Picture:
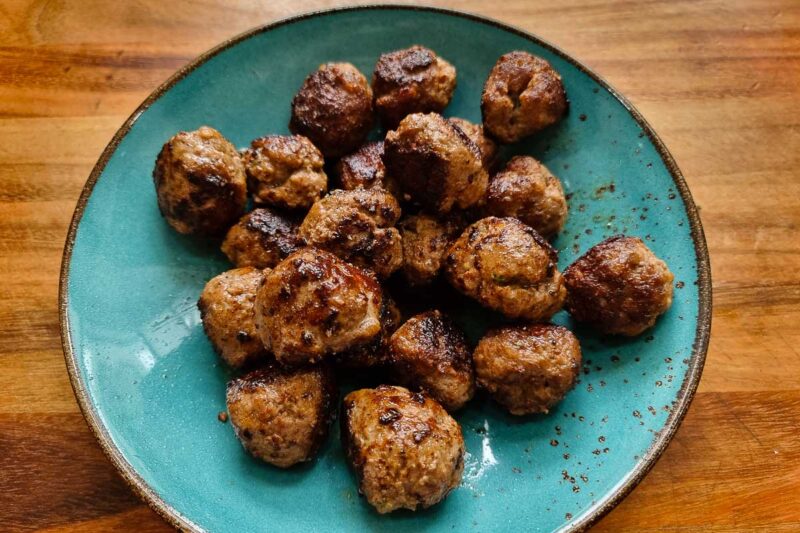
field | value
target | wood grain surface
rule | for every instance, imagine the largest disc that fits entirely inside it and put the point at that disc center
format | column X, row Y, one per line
column 718, row 79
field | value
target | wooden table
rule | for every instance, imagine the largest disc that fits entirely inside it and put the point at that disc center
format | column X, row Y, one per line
column 720, row 82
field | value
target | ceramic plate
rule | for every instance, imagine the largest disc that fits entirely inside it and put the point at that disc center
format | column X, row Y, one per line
column 150, row 385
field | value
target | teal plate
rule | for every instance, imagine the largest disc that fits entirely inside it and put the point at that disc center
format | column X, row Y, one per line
column 150, row 385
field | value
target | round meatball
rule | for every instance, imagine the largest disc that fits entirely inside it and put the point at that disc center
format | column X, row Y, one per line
column 285, row 171
column 526, row 190
column 281, row 415
column 528, row 369
column 262, row 239
column 364, row 169
column 200, row 182
column 406, row 451
column 619, row 286
column 227, row 311
column 358, row 227
column 425, row 243
column 333, row 108
column 435, row 163
column 413, row 80
column 487, row 147
column 522, row 95
column 314, row 304
column 430, row 353
column 374, row 355
column 507, row 266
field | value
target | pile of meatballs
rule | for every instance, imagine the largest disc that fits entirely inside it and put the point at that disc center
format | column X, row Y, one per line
column 335, row 217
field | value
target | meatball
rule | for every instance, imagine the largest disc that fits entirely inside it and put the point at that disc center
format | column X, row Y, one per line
column 435, row 163
column 508, row 267
column 406, row 451
column 364, row 169
column 358, row 227
column 374, row 355
column 528, row 369
column 522, row 95
column 333, row 108
column 200, row 182
column 487, row 147
column 281, row 415
column 413, row 80
column 425, row 243
column 226, row 309
column 430, row 353
column 285, row 171
column 619, row 286
column 526, row 190
column 314, row 304
column 262, row 239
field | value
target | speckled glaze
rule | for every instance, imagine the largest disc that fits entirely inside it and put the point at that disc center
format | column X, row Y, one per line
column 151, row 386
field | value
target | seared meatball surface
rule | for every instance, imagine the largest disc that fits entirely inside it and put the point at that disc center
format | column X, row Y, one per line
column 430, row 353
column 435, row 163
column 425, row 243
column 364, row 169
column 507, row 266
column 285, row 171
column 262, row 239
column 333, row 108
column 487, row 147
column 281, row 415
column 227, row 311
column 406, row 451
column 522, row 95
column 375, row 354
column 528, row 369
column 313, row 304
column 200, row 182
column 357, row 226
column 413, row 80
column 619, row 286
column 527, row 190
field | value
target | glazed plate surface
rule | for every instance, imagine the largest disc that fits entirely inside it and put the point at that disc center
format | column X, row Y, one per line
column 151, row 386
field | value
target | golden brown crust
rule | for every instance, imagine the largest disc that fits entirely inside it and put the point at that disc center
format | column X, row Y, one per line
column 333, row 108
column 227, row 311
column 435, row 163
column 430, row 353
column 412, row 80
column 522, row 95
column 285, row 171
column 525, row 189
column 528, row 369
column 357, row 226
column 506, row 266
column 262, row 239
column 425, row 243
column 619, row 286
column 200, row 182
column 313, row 304
column 364, row 169
column 280, row 415
column 487, row 147
column 406, row 451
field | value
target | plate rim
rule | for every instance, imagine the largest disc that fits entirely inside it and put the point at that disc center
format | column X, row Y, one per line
column 684, row 396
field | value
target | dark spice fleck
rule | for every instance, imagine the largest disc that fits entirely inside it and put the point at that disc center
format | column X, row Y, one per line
column 553, row 442
column 222, row 416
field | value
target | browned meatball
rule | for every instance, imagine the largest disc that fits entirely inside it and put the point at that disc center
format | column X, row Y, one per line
column 280, row 415
column 314, row 304
column 525, row 189
column 430, row 353
column 285, row 171
column 435, row 163
column 619, row 286
column 333, row 108
column 200, row 182
column 374, row 355
column 358, row 227
column 522, row 95
column 226, row 308
column 508, row 267
column 487, row 147
column 413, row 80
column 425, row 243
column 528, row 369
column 363, row 169
column 262, row 238
column 406, row 451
